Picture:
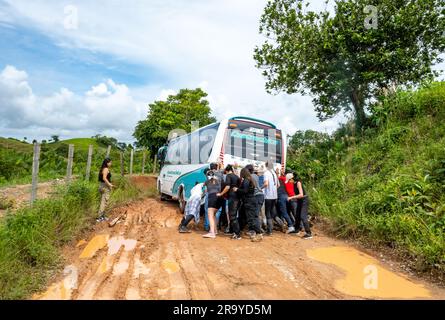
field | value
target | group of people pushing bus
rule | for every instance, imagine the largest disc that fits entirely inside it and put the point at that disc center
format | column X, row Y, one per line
column 261, row 199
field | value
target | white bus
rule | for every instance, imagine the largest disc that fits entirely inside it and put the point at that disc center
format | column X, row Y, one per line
column 238, row 141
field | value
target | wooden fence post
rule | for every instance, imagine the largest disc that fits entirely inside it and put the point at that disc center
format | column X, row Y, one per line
column 131, row 161
column 144, row 155
column 35, row 172
column 155, row 163
column 108, row 151
column 69, row 169
column 90, row 156
column 122, row 163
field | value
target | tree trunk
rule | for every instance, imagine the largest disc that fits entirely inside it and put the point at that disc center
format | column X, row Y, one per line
column 359, row 109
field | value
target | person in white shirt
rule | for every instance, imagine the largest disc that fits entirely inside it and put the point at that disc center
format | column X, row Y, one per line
column 192, row 208
column 270, row 189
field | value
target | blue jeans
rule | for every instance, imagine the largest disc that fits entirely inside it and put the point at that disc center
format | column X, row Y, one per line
column 206, row 214
column 282, row 204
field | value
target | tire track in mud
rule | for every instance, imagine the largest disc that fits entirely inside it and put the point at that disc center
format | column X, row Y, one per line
column 146, row 258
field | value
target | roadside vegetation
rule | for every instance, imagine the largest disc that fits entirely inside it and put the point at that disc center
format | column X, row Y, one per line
column 385, row 183
column 16, row 159
column 31, row 238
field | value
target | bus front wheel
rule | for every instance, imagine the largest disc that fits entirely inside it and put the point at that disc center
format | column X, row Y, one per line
column 182, row 201
column 161, row 195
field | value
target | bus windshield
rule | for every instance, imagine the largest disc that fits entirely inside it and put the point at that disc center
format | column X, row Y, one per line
column 253, row 142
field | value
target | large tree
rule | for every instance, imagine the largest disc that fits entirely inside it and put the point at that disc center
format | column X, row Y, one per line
column 346, row 58
column 305, row 138
column 177, row 112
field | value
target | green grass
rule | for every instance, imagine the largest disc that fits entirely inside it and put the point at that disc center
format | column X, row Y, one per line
column 388, row 186
column 31, row 238
column 79, row 144
column 16, row 160
column 18, row 146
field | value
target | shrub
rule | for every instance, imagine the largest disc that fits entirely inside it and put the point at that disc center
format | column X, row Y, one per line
column 31, row 238
column 387, row 185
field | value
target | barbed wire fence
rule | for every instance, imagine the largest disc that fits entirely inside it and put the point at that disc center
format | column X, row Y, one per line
column 131, row 162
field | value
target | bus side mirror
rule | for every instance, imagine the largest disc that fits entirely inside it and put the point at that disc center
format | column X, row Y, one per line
column 161, row 155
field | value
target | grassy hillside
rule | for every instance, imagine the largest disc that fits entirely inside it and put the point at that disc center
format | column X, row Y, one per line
column 16, row 160
column 12, row 144
column 79, row 144
column 20, row 146
column 386, row 184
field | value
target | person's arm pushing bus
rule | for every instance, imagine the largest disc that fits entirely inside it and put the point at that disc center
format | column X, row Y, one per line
column 300, row 194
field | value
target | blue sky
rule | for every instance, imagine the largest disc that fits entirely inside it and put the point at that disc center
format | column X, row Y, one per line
column 99, row 76
column 51, row 66
column 95, row 69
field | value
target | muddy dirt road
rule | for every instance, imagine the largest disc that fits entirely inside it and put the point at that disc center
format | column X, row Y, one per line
column 146, row 258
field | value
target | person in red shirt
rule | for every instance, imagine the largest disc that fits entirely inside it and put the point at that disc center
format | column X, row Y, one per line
column 282, row 206
column 289, row 183
column 299, row 204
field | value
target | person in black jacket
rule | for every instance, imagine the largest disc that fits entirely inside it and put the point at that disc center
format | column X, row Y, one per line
column 302, row 208
column 247, row 193
column 233, row 182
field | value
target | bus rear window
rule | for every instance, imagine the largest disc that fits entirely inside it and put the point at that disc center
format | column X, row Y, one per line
column 254, row 142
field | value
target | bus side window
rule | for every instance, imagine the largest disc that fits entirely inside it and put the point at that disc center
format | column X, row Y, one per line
column 206, row 141
column 194, row 148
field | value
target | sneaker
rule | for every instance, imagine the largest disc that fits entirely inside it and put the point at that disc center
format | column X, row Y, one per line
column 227, row 230
column 100, row 219
column 257, row 238
column 209, row 235
column 236, row 237
column 290, row 230
column 268, row 233
column 183, row 229
column 250, row 233
column 293, row 232
column 307, row 236
column 106, row 218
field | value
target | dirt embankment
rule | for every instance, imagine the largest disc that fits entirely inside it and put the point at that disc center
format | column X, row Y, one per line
column 144, row 257
column 21, row 194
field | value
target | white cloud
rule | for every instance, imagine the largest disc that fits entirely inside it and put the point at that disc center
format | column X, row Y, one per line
column 207, row 44
column 106, row 108
column 165, row 93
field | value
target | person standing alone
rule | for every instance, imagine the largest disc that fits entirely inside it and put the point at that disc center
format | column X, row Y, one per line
column 105, row 187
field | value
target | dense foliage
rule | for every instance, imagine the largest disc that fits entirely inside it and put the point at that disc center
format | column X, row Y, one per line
column 347, row 58
column 386, row 183
column 177, row 112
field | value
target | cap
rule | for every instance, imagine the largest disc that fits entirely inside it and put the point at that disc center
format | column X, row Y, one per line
column 289, row 176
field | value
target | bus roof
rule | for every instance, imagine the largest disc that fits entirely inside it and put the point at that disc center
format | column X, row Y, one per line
column 233, row 118
column 254, row 120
